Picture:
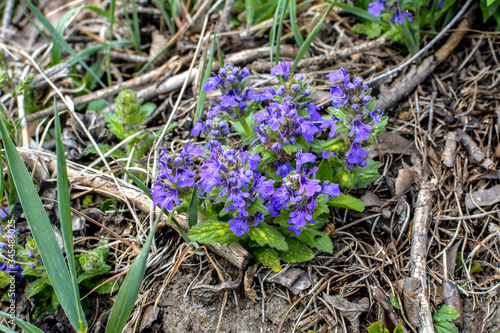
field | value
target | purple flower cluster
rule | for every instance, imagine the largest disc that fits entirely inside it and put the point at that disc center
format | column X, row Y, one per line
column 174, row 176
column 291, row 112
column 376, row 7
column 235, row 96
column 239, row 185
column 213, row 128
column 298, row 193
column 352, row 99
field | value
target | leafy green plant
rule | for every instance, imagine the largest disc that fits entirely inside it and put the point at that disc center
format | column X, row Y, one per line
column 274, row 195
column 443, row 319
column 126, row 122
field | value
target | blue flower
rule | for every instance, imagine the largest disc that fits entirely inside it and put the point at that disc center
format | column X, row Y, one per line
column 230, row 98
column 303, row 158
column 360, row 131
column 3, row 211
column 283, row 69
column 356, row 155
column 376, row 7
column 164, row 195
column 284, row 168
column 212, row 82
column 400, row 15
column 239, row 225
column 338, row 96
column 267, row 94
column 341, row 75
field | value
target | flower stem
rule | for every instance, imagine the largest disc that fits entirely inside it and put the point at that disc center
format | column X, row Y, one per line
column 245, row 126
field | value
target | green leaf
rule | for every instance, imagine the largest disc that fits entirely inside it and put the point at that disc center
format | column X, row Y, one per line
column 324, row 171
column 87, row 275
column 202, row 94
column 26, row 327
column 377, row 328
column 305, row 46
column 118, row 154
column 360, row 12
column 399, row 329
column 137, row 182
column 64, row 206
column 106, row 205
column 265, row 234
column 37, row 286
column 316, row 239
column 213, row 232
column 268, row 257
column 130, row 287
column 445, row 327
column 293, row 22
column 367, row 174
column 444, row 313
column 275, row 37
column 193, row 208
column 370, row 29
column 4, row 279
column 41, row 229
column 346, row 201
column 489, row 2
column 476, row 268
column 297, row 252
column 489, row 9
column 395, row 302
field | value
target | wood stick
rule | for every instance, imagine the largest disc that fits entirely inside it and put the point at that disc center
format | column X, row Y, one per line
column 103, row 184
column 415, row 289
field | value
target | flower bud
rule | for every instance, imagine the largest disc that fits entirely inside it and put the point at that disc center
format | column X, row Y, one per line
column 230, row 78
column 276, row 146
column 295, row 87
column 355, row 106
column 351, row 87
column 307, row 92
column 366, row 99
column 298, row 77
column 357, row 81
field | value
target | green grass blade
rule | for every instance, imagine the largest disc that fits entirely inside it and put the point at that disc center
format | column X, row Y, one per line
column 275, row 37
column 202, row 94
column 193, row 208
column 26, row 327
column 130, row 287
column 137, row 28
column 303, row 49
column 60, row 39
column 280, row 29
column 137, row 182
column 41, row 229
column 293, row 22
column 168, row 21
column 249, row 12
column 64, row 206
column 5, row 329
column 108, row 47
column 56, row 53
column 359, row 12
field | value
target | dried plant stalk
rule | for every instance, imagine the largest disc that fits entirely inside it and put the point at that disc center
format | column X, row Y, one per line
column 415, row 289
column 450, row 149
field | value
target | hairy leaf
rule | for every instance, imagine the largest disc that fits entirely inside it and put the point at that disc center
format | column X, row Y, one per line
column 264, row 234
column 213, row 232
